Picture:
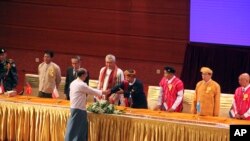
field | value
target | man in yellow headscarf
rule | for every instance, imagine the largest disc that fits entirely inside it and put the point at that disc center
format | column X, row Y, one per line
column 207, row 95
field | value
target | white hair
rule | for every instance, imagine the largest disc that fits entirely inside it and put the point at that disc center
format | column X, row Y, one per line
column 110, row 58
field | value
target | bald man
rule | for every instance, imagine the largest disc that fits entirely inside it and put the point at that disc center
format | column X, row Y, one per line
column 241, row 102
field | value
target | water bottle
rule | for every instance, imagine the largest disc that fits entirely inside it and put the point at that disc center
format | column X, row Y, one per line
column 198, row 107
column 130, row 101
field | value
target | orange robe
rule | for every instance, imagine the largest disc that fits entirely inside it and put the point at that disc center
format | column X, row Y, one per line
column 208, row 94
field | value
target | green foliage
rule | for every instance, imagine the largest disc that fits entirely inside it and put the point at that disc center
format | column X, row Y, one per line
column 103, row 106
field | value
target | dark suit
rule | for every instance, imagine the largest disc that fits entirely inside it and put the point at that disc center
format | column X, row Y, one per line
column 134, row 91
column 70, row 76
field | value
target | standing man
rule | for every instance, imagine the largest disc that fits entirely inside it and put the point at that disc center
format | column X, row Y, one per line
column 172, row 91
column 111, row 75
column 49, row 75
column 71, row 74
column 77, row 127
column 207, row 95
column 8, row 72
column 241, row 101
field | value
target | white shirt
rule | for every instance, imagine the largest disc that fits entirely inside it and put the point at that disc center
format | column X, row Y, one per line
column 78, row 91
column 119, row 75
column 132, row 82
column 106, row 79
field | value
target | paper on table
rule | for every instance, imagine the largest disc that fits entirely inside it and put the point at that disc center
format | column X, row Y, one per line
column 55, row 93
column 153, row 96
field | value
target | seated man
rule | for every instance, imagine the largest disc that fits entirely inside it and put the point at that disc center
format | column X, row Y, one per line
column 241, row 102
column 132, row 89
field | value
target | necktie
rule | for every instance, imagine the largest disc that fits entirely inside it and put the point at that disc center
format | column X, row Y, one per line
column 74, row 73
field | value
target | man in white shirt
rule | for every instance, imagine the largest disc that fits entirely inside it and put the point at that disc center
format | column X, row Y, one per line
column 77, row 127
column 110, row 76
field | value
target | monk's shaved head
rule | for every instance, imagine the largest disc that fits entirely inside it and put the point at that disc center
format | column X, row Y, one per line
column 244, row 79
column 245, row 76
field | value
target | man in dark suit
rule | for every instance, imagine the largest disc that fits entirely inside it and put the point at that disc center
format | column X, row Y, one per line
column 71, row 74
column 132, row 88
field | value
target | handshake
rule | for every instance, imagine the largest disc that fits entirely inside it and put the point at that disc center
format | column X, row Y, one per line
column 106, row 92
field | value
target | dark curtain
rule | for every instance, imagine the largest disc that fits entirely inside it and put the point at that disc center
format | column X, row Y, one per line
column 227, row 63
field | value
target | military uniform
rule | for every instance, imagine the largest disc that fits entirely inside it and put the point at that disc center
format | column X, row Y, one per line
column 8, row 73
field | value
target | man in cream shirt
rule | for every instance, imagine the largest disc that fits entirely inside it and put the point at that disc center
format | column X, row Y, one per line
column 49, row 76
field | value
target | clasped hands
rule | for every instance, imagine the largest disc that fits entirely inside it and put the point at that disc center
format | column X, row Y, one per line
column 158, row 107
column 237, row 116
column 106, row 92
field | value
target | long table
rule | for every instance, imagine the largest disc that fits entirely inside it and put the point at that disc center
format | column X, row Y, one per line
column 36, row 119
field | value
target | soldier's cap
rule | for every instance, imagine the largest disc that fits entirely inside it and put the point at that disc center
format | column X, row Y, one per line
column 130, row 72
column 169, row 69
column 2, row 50
column 206, row 70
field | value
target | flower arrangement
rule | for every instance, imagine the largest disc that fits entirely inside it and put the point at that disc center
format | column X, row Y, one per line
column 103, row 106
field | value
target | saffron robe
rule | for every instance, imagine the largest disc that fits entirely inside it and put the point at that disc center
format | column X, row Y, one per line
column 208, row 94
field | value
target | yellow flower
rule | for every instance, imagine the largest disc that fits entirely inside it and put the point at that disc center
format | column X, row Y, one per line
column 245, row 96
column 170, row 86
column 51, row 72
column 208, row 89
